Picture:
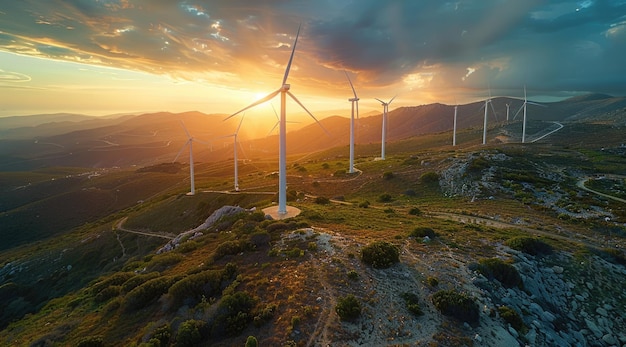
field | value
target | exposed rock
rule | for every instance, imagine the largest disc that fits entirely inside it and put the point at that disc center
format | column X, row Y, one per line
column 610, row 339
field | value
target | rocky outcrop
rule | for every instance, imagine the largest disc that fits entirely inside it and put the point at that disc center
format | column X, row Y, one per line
column 198, row 231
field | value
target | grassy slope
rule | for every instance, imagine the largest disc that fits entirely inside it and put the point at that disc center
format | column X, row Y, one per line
column 284, row 280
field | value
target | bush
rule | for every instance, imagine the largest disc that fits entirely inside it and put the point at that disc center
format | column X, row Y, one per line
column 380, row 254
column 163, row 261
column 322, row 200
column 147, row 293
column 432, row 281
column 91, row 341
column 192, row 288
column 251, row 341
column 113, row 280
column 234, row 314
column 353, row 275
column 364, row 204
column 264, row 314
column 231, row 248
column 412, row 303
column 388, row 175
column 190, row 333
column 421, row 232
column 108, row 293
column 133, row 282
column 529, row 245
column 457, row 305
column 505, row 273
column 414, row 211
column 512, row 317
column 348, row 308
column 385, row 198
column 430, row 177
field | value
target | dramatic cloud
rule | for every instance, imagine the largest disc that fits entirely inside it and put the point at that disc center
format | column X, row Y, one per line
column 440, row 48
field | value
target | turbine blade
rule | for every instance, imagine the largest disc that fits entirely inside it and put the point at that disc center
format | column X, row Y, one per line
column 518, row 111
column 260, row 101
column 203, row 142
column 351, row 85
column 241, row 121
column 275, row 113
column 293, row 50
column 307, row 111
column 180, row 151
column 184, row 128
column 389, row 103
column 272, row 130
column 536, row 104
column 382, row 102
column 494, row 110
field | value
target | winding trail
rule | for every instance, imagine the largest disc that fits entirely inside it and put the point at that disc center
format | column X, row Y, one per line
column 560, row 126
column 581, row 184
column 120, row 226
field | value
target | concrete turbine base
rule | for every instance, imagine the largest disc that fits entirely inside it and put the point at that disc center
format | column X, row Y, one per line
column 273, row 212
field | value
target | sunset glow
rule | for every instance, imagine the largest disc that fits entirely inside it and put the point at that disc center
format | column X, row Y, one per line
column 106, row 57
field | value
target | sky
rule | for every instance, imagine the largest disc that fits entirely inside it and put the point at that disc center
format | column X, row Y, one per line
column 101, row 57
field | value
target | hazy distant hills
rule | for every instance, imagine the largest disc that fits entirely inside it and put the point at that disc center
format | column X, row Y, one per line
column 28, row 142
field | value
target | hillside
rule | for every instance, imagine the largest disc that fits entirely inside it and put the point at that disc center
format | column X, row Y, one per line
column 149, row 139
column 529, row 238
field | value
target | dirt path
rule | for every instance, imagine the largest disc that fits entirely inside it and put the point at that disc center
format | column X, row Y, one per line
column 581, row 184
column 120, row 226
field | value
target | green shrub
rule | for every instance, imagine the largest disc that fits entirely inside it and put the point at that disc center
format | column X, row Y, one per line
column 234, row 314
column 91, row 341
column 457, row 305
column 364, row 204
column 135, row 281
column 340, row 173
column 192, row 288
column 414, row 211
column 163, row 261
column 251, row 341
column 348, row 308
column 432, row 281
column 385, row 198
column 412, row 303
column 505, row 273
column 388, row 175
column 512, row 317
column 260, row 239
column 108, row 293
column 160, row 337
column 190, row 333
column 322, row 200
column 430, row 177
column 294, row 253
column 421, row 232
column 231, row 248
column 147, row 293
column 353, row 275
column 113, row 280
column 477, row 165
column 529, row 245
column 380, row 254
column 264, row 314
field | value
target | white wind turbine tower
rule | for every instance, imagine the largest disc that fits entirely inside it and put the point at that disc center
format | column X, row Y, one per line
column 282, row 156
column 486, row 106
column 354, row 101
column 234, row 135
column 508, row 106
column 526, row 102
column 384, row 130
column 189, row 142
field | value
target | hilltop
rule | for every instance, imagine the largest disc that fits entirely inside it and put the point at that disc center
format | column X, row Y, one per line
column 530, row 238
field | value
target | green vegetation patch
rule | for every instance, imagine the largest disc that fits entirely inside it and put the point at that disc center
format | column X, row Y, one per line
column 348, row 308
column 380, row 254
column 529, row 245
column 457, row 305
column 494, row 268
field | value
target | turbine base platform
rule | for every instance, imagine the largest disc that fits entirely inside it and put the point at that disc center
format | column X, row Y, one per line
column 273, row 212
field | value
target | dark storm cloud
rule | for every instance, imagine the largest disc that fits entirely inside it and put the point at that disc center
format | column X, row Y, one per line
column 562, row 45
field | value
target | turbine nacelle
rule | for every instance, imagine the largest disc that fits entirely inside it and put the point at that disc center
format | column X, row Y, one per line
column 285, row 87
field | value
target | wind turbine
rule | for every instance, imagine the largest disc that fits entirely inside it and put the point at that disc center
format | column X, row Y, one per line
column 486, row 106
column 234, row 135
column 526, row 102
column 354, row 101
column 282, row 156
column 189, row 142
column 454, row 126
column 385, row 111
column 508, row 106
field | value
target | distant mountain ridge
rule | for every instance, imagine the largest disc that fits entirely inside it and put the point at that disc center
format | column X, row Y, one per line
column 28, row 142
